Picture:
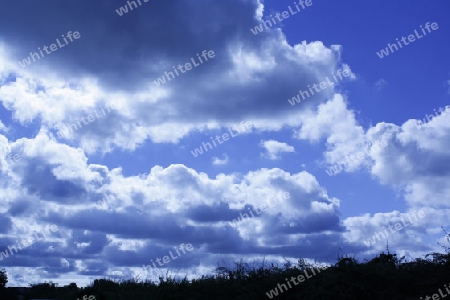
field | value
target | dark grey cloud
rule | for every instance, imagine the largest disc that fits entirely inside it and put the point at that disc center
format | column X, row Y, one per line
column 5, row 223
column 122, row 51
column 214, row 213
column 38, row 179
column 19, row 207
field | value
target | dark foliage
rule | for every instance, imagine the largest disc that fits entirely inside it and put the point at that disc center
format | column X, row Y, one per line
column 3, row 278
column 383, row 277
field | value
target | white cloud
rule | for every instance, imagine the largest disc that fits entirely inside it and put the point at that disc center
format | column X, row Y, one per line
column 3, row 127
column 410, row 236
column 274, row 149
column 218, row 161
column 338, row 126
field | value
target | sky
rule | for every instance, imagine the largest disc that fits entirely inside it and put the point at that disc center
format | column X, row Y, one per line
column 152, row 136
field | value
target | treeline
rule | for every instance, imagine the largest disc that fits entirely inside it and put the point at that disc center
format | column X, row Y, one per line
column 383, row 277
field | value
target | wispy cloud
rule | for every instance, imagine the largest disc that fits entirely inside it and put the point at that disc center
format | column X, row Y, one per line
column 218, row 161
column 380, row 84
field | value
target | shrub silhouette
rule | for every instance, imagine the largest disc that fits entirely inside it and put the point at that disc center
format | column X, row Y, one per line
column 383, row 277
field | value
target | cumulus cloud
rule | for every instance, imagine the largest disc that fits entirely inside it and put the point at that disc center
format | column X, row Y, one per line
column 412, row 163
column 55, row 185
column 413, row 158
column 409, row 235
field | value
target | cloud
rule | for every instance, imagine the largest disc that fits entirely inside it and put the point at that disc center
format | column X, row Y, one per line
column 59, row 180
column 380, row 84
column 252, row 72
column 413, row 158
column 412, row 163
column 218, row 161
column 274, row 149
column 337, row 125
column 361, row 228
column 3, row 127
column 145, row 217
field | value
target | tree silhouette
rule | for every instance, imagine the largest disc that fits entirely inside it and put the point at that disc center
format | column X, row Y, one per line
column 3, row 278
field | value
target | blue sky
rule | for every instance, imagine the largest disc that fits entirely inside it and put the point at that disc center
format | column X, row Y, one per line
column 139, row 151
